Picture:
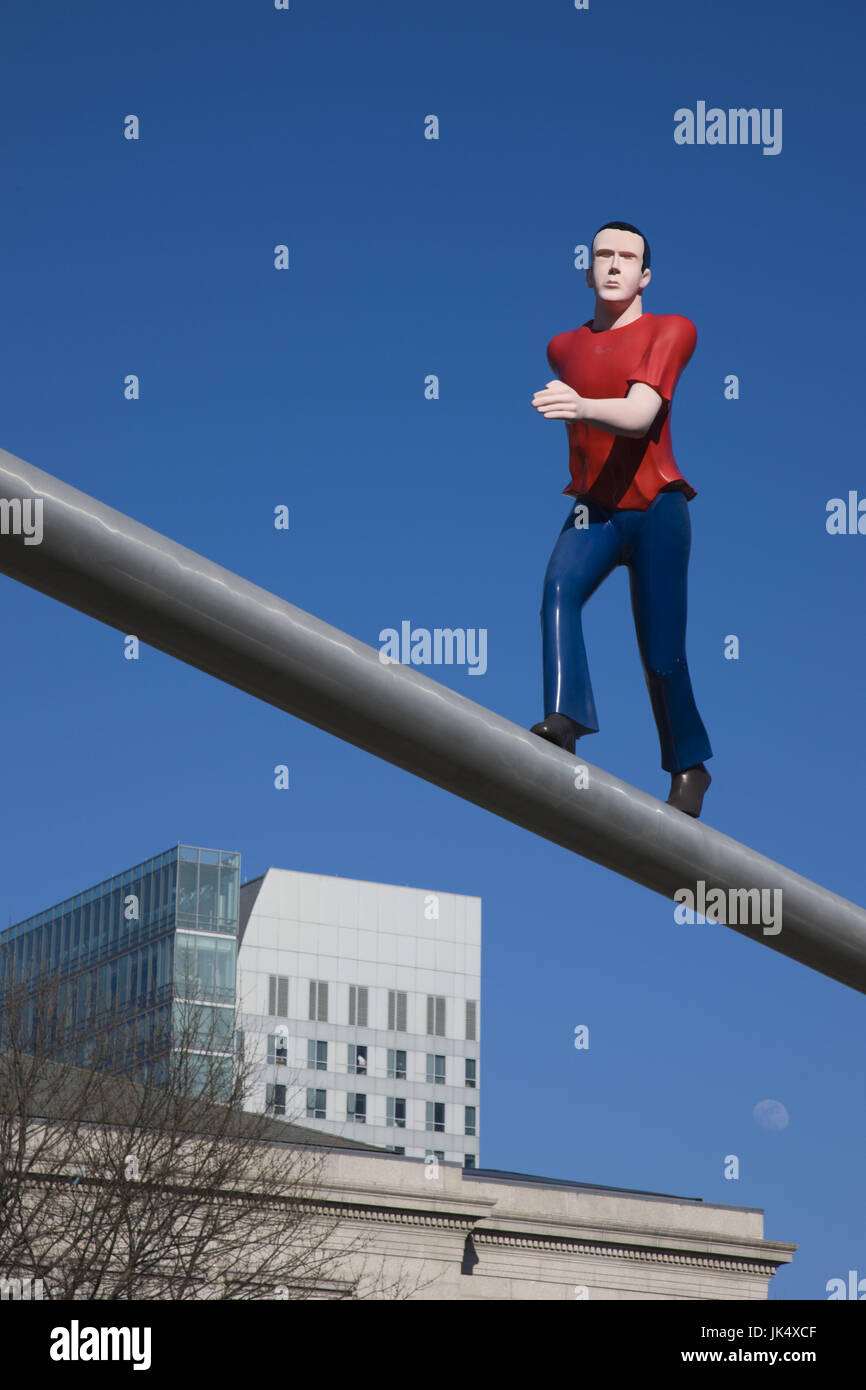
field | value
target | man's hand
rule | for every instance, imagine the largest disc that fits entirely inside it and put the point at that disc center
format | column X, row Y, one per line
column 631, row 415
column 559, row 402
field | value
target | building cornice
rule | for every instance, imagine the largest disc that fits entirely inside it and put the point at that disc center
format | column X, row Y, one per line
column 759, row 1258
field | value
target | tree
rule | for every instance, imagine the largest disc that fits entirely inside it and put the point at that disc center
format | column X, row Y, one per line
column 157, row 1184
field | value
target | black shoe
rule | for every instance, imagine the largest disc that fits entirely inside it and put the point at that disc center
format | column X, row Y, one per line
column 688, row 788
column 558, row 728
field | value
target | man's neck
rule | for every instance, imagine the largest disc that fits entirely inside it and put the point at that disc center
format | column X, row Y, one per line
column 613, row 316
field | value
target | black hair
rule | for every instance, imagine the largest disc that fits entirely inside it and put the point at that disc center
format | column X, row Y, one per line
column 626, row 227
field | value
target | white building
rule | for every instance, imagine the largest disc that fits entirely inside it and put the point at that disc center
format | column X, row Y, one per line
column 360, row 1002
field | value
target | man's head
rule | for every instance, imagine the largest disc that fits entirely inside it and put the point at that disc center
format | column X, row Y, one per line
column 620, row 265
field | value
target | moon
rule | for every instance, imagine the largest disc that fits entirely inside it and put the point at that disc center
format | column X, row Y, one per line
column 771, row 1114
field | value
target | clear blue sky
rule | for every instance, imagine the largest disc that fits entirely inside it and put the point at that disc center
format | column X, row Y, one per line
column 306, row 387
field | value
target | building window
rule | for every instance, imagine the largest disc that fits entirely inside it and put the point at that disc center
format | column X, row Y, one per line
column 397, row 1010
column 470, row 1071
column 392, row 1148
column 317, row 1055
column 319, row 1001
column 315, row 1104
column 435, row 1069
column 435, row 1153
column 358, row 1005
column 471, row 1019
column 469, row 1122
column 396, row 1064
column 395, row 1112
column 436, row 1015
column 275, row 1099
column 278, row 996
column 356, row 1108
column 468, row 1160
column 278, row 1049
column 436, row 1115
column 357, row 1060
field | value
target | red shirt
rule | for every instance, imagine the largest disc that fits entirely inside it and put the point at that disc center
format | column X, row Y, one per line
column 612, row 469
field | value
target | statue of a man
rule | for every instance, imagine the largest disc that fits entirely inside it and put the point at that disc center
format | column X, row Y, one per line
column 615, row 379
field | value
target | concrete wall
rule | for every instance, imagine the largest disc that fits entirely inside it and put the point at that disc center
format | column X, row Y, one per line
column 522, row 1239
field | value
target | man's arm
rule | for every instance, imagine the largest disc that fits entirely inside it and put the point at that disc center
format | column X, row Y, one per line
column 630, row 415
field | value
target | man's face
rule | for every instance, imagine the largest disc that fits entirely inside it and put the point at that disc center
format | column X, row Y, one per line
column 615, row 273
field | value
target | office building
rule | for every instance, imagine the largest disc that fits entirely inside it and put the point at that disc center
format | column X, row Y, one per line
column 360, row 1003
column 123, row 954
column 357, row 1002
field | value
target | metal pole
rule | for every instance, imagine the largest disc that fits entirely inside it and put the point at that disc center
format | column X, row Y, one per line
column 105, row 564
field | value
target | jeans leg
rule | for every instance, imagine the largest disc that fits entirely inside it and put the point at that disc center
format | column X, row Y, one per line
column 581, row 559
column 658, row 576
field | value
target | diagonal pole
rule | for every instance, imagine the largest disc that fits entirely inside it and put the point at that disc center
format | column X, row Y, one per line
column 103, row 563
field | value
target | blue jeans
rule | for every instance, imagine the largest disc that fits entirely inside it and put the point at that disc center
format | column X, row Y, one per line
column 654, row 545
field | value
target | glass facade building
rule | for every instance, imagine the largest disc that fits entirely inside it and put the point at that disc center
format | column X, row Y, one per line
column 123, row 960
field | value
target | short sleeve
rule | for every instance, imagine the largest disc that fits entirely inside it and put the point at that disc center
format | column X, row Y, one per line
column 666, row 354
column 551, row 356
